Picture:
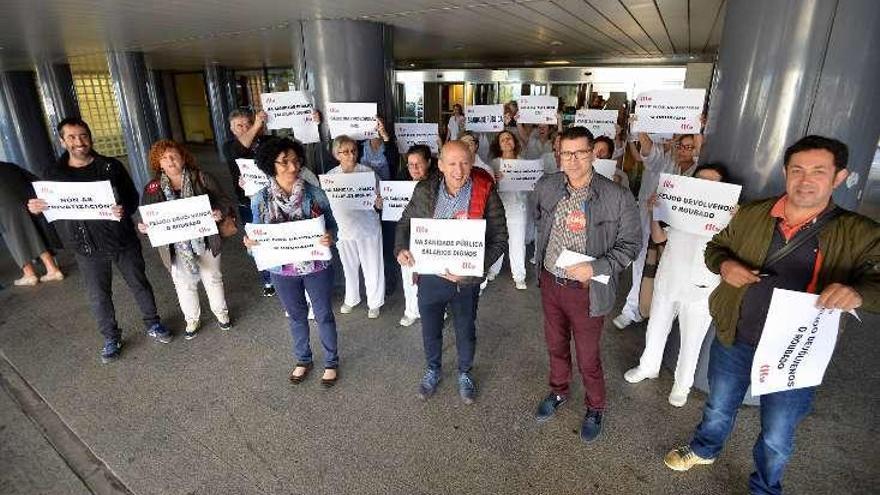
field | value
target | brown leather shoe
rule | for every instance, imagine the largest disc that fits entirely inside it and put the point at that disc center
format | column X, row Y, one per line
column 297, row 379
column 329, row 382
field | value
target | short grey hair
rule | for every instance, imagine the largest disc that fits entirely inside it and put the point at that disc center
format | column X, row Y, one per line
column 241, row 112
column 338, row 141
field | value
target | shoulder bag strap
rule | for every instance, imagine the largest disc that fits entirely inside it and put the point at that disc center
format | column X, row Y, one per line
column 813, row 231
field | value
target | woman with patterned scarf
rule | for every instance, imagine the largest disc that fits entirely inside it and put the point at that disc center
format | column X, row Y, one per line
column 289, row 198
column 177, row 176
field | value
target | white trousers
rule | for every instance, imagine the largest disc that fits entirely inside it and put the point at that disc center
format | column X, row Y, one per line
column 410, row 293
column 364, row 253
column 693, row 323
column 187, row 286
column 631, row 308
column 516, row 246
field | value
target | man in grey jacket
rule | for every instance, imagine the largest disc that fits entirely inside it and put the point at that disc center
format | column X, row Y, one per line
column 458, row 192
column 580, row 213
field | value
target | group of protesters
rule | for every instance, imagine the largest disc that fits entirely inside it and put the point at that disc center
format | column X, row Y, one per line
column 715, row 283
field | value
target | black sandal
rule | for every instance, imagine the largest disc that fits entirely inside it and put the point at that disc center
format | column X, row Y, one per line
column 329, row 382
column 299, row 379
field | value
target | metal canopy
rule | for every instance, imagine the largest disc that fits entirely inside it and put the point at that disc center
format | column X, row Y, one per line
column 428, row 33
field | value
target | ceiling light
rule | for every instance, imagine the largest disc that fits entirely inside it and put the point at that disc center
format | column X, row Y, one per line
column 555, row 43
column 556, row 62
column 412, row 65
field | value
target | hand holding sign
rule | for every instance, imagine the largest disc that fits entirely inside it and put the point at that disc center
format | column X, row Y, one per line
column 796, row 345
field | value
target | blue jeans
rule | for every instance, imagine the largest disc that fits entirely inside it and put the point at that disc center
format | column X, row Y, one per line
column 781, row 413
column 247, row 216
column 435, row 294
column 292, row 292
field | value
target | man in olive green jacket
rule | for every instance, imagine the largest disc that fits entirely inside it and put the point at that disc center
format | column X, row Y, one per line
column 841, row 264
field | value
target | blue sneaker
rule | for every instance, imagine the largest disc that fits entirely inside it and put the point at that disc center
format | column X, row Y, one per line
column 159, row 333
column 467, row 389
column 592, row 425
column 547, row 408
column 111, row 350
column 429, row 383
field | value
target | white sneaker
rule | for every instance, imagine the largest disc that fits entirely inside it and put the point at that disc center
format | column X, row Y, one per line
column 345, row 309
column 679, row 396
column 311, row 313
column 621, row 321
column 520, row 284
column 407, row 321
column 373, row 313
column 636, row 375
column 192, row 329
column 26, row 281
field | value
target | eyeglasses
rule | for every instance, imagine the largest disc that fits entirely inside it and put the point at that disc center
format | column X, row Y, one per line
column 346, row 152
column 686, row 147
column 575, row 155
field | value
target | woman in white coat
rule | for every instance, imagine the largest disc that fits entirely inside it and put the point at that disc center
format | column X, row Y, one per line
column 359, row 239
column 507, row 147
column 418, row 164
column 681, row 289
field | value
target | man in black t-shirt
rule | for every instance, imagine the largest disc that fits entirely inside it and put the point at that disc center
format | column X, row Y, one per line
column 100, row 244
column 247, row 128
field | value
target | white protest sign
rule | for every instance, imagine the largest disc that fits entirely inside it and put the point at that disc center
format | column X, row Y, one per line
column 796, row 344
column 537, row 109
column 411, row 134
column 253, row 179
column 669, row 111
column 569, row 258
column 696, row 206
column 288, row 242
column 178, row 220
column 484, row 118
column 76, row 200
column 395, row 196
column 520, row 175
column 355, row 120
column 605, row 167
column 456, row 246
column 599, row 122
column 354, row 191
column 291, row 110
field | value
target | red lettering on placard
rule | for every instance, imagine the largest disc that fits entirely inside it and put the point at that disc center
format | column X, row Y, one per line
column 687, row 127
column 763, row 371
column 668, row 184
column 421, row 230
column 259, row 232
column 711, row 227
column 467, row 265
column 315, row 252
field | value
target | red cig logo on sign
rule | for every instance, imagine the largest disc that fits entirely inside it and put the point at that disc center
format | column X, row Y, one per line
column 421, row 230
column 763, row 371
column 668, row 184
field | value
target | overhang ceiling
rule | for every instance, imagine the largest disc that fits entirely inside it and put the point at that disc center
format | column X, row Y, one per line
column 186, row 34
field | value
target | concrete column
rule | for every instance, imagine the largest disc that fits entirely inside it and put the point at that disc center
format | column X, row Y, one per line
column 23, row 136
column 789, row 68
column 221, row 99
column 158, row 103
column 59, row 96
column 130, row 77
column 345, row 61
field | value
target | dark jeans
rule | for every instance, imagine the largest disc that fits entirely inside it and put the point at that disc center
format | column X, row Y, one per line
column 97, row 272
column 567, row 316
column 435, row 294
column 392, row 267
column 730, row 371
column 247, row 216
column 292, row 292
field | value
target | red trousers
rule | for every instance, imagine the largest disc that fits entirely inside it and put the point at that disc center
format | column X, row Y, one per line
column 567, row 315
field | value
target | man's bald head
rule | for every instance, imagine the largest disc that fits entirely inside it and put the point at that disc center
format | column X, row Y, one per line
column 451, row 147
column 456, row 161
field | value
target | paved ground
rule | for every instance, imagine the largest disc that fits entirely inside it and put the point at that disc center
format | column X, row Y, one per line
column 217, row 415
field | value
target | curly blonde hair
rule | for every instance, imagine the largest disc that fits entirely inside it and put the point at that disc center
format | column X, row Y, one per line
column 161, row 146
